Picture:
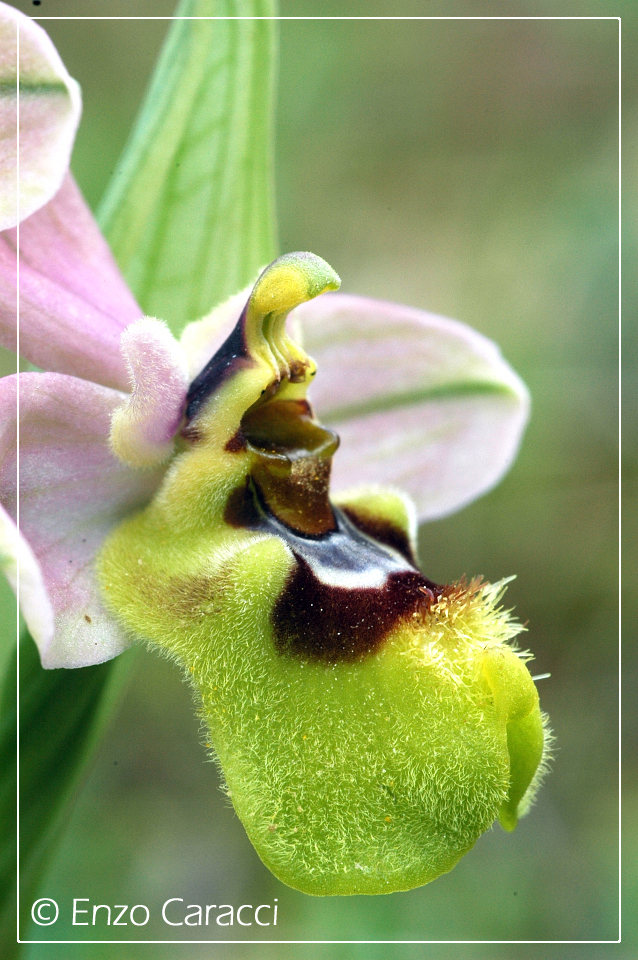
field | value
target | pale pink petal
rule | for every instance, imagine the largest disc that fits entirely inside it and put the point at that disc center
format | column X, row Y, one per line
column 18, row 563
column 72, row 493
column 49, row 112
column 420, row 402
column 74, row 303
column 143, row 428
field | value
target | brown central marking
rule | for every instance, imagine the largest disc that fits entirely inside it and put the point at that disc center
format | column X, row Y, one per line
column 318, row 620
column 335, row 624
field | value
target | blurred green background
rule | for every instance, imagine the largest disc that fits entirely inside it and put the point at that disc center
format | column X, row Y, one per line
column 468, row 168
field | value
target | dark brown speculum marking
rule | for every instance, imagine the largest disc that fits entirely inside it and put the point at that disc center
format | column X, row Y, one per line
column 320, row 621
column 346, row 592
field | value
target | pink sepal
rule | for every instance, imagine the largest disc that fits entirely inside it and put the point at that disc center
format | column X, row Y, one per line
column 74, row 303
column 72, row 493
column 48, row 112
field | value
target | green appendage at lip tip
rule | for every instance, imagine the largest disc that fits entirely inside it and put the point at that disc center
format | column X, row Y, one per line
column 525, row 743
column 528, row 737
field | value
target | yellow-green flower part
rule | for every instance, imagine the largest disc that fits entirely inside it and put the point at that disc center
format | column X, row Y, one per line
column 370, row 724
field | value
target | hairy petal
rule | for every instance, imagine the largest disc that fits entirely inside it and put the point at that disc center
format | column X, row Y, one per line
column 74, row 303
column 72, row 493
column 49, row 112
column 143, row 427
column 419, row 401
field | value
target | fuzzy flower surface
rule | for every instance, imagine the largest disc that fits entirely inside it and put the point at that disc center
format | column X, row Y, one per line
column 370, row 723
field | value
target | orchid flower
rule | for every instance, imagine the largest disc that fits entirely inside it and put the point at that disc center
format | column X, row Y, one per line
column 370, row 723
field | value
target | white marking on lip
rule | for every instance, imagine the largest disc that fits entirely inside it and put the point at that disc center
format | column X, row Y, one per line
column 347, row 558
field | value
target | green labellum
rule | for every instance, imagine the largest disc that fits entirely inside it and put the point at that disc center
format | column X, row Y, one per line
column 370, row 724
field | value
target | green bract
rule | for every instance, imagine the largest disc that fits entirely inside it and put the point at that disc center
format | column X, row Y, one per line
column 370, row 724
